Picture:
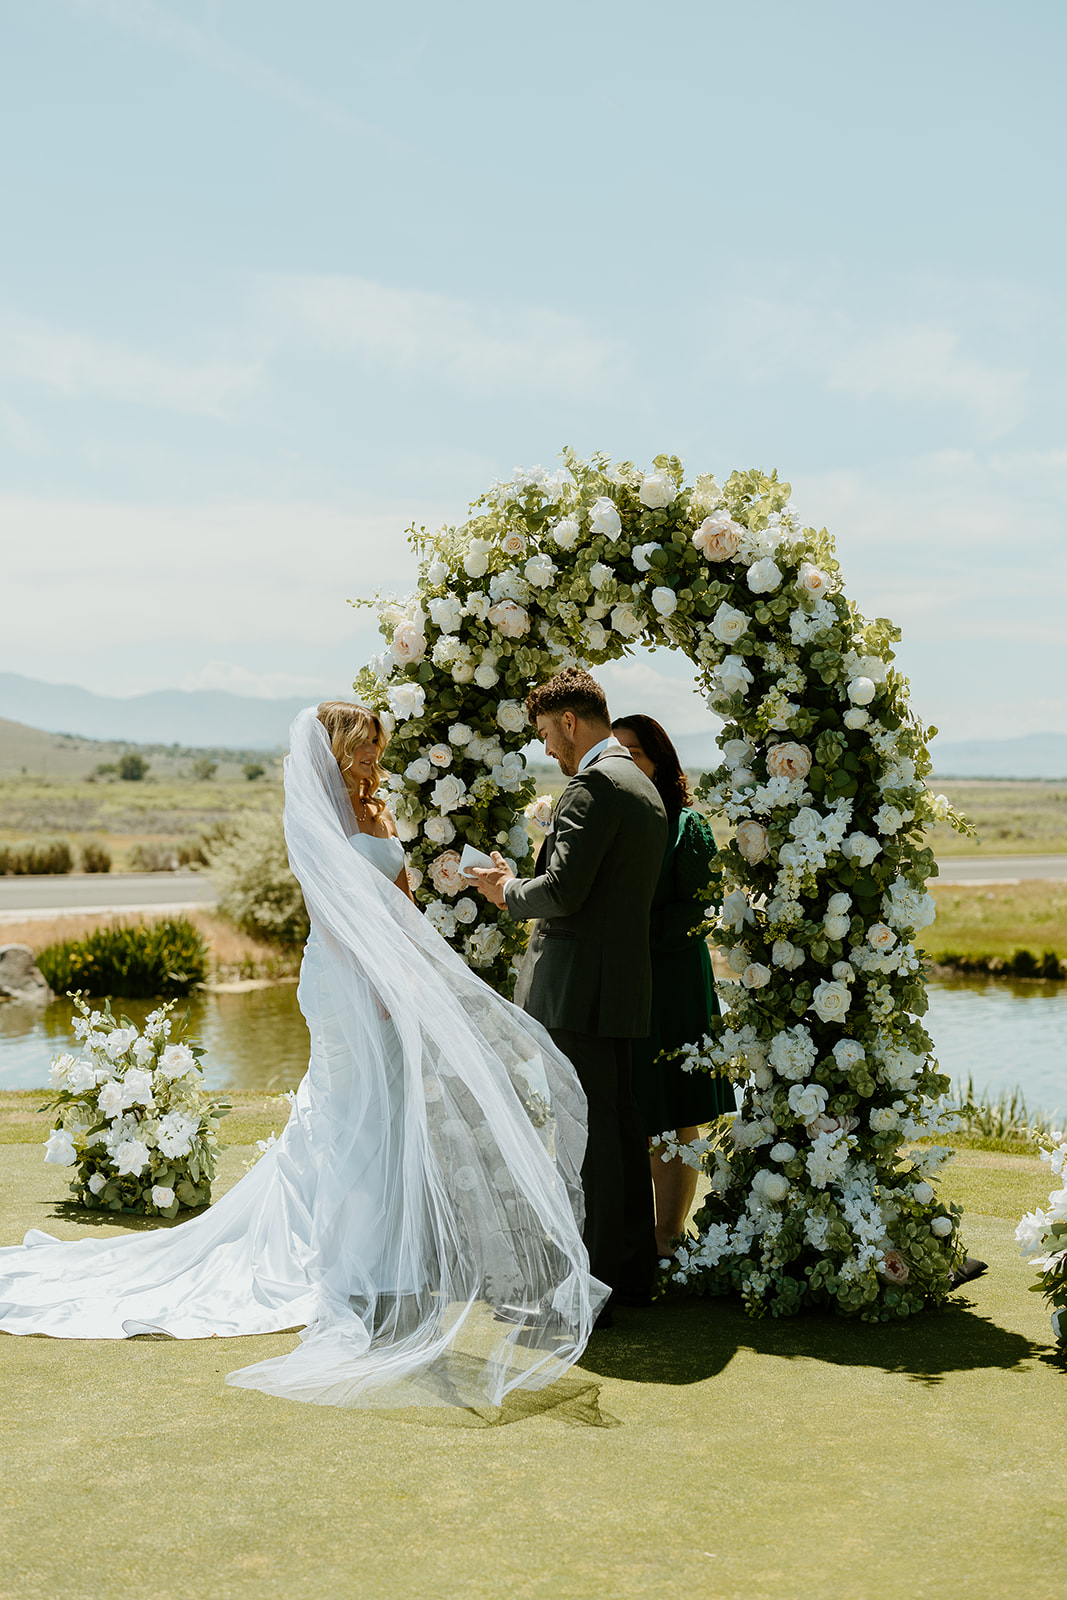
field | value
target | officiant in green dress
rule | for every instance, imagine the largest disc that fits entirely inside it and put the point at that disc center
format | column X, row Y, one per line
column 684, row 1006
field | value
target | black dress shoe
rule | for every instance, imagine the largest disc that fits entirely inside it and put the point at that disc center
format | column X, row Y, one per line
column 969, row 1268
column 604, row 1320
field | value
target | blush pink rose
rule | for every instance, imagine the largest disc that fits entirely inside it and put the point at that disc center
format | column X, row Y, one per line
column 445, row 874
column 751, row 841
column 788, row 760
column 718, row 537
column 510, row 619
column 894, row 1269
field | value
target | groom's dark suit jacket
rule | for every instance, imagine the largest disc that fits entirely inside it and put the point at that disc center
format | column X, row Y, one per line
column 587, row 968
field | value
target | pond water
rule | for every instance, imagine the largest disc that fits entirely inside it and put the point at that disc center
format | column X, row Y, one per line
column 1002, row 1034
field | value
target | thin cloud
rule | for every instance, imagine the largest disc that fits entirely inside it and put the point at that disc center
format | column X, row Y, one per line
column 154, row 21
column 913, row 361
column 411, row 331
column 73, row 364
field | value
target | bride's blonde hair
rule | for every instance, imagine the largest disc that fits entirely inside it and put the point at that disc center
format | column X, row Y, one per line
column 348, row 727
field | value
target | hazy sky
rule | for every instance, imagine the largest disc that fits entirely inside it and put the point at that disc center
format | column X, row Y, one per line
column 279, row 279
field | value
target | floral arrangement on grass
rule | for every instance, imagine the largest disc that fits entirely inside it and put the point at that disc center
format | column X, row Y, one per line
column 1042, row 1235
column 823, row 779
column 133, row 1116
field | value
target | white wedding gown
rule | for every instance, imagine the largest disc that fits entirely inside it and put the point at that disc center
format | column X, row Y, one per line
column 428, row 1175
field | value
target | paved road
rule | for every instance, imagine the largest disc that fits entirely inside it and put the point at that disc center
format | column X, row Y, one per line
column 95, row 892
column 1001, row 869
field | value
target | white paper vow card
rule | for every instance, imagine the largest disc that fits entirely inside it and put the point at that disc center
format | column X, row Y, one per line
column 473, row 858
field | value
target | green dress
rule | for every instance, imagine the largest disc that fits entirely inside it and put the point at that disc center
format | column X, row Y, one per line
column 684, row 1007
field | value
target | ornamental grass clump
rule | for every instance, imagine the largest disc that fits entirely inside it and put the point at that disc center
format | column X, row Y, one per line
column 51, row 858
column 818, row 1200
column 249, row 863
column 136, row 961
column 1042, row 1235
column 133, row 1117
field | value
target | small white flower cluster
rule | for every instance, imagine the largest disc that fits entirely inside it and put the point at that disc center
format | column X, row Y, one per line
column 1042, row 1234
column 133, row 1117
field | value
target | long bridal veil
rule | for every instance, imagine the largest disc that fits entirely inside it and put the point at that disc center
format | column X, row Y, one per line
column 420, row 1213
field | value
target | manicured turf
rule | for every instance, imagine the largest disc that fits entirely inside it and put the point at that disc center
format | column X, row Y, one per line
column 762, row 1461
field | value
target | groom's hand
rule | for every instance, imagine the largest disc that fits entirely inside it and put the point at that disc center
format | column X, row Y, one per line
column 491, row 880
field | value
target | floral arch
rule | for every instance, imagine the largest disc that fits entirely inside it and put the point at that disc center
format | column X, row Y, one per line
column 815, row 1197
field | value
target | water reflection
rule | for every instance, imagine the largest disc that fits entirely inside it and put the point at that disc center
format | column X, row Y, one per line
column 1001, row 1033
column 256, row 1039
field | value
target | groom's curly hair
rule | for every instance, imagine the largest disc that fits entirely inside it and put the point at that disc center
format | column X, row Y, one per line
column 570, row 690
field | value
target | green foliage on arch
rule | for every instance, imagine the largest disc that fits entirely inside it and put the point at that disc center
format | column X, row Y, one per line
column 816, row 1200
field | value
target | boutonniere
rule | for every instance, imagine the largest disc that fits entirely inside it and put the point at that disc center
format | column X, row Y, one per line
column 539, row 811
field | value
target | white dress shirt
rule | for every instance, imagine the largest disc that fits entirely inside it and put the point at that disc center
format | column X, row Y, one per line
column 610, row 743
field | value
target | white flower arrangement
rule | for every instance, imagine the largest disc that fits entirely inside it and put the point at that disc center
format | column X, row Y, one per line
column 824, row 885
column 1042, row 1235
column 133, row 1117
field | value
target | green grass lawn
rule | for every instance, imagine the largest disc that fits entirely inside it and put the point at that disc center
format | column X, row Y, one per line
column 997, row 919
column 741, row 1461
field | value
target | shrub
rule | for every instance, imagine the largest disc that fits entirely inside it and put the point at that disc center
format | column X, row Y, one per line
column 153, row 858
column 204, row 769
column 36, row 860
column 250, row 866
column 95, row 857
column 164, row 958
column 132, row 767
column 253, row 770
column 191, row 853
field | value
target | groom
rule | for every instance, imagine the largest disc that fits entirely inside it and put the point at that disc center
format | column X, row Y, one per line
column 586, row 974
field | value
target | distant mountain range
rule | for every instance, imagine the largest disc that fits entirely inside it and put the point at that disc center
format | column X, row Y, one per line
column 214, row 718
column 197, row 717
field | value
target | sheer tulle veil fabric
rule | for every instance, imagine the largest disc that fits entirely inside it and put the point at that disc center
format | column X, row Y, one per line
column 427, row 1178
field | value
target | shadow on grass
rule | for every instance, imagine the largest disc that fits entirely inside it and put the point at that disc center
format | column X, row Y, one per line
column 687, row 1341
column 74, row 1211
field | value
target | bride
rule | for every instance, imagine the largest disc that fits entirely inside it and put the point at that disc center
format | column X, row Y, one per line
column 420, row 1215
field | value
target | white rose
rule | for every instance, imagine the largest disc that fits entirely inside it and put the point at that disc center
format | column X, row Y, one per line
column 446, row 613
column 566, row 533
column 783, row 1151
column 162, row 1197
column 764, row 576
column 414, row 878
column 119, row 1041
column 782, row 953
column 812, row 581
column 596, row 636
column 110, row 1100
column 922, row 1194
column 728, row 624
column 130, row 1157
column 406, row 700
column 788, row 760
column 880, row 937
column 540, row 571
column 838, row 904
column 738, row 958
column 856, row 718
column 665, row 601
column 463, row 672
column 441, row 917
column 884, row 1119
column 465, row 911
column 511, row 716
column 642, row 555
column 484, row 945
column 177, row 1061
column 82, row 1075
column 518, row 840
column 440, row 755
column 625, row 620
column 888, row 820
column 449, row 792
column 861, row 691
column 831, row 1001
column 736, row 910
column 419, row 770
column 97, row 1182
column 843, row 972
column 733, row 676
column 751, row 840
column 941, row 1227
column 486, row 676
column 406, row 830
column 437, row 572
column 772, row 1186
column 460, row 734
column 477, row 605
column 509, row 619
column 847, row 1052
column 657, row 490
column 836, row 927
column 808, row 1101
column 604, row 518
column 409, row 644
column 861, row 848
column 476, row 561
column 514, row 544
column 756, row 976
column 59, row 1150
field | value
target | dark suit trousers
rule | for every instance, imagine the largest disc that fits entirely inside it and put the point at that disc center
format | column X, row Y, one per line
column 619, row 1208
